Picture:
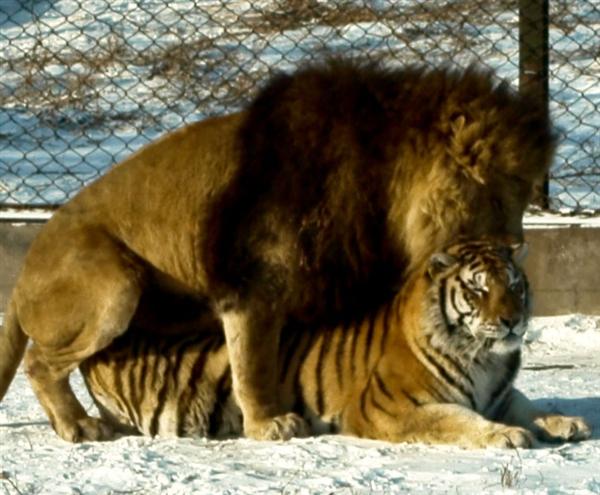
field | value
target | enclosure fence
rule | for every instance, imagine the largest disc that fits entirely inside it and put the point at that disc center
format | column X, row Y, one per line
column 85, row 83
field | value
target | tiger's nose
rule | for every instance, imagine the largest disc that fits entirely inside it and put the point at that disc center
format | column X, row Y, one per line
column 510, row 323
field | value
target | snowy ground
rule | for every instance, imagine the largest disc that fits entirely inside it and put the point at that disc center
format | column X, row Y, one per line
column 561, row 372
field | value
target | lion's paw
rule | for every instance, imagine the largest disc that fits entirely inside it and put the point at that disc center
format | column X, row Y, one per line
column 281, row 427
column 555, row 427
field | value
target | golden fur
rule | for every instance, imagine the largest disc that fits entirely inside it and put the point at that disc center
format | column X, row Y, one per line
column 309, row 206
column 435, row 365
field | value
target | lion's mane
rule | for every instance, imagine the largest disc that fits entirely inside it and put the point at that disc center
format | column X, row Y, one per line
column 358, row 172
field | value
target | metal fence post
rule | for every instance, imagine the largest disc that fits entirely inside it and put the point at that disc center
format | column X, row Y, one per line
column 533, row 65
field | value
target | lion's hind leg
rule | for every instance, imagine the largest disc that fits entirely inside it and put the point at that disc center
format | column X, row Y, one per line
column 70, row 311
column 51, row 386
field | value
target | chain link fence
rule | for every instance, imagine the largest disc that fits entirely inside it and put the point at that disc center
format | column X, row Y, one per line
column 85, row 83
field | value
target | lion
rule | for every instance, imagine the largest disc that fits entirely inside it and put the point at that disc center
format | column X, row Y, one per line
column 310, row 205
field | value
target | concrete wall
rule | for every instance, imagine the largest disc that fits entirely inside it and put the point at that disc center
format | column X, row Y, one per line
column 14, row 241
column 563, row 266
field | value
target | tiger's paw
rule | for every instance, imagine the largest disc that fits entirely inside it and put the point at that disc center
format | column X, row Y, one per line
column 281, row 427
column 555, row 427
column 510, row 437
column 85, row 430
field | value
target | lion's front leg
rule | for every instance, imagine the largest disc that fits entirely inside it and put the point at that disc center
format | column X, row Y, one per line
column 550, row 427
column 252, row 333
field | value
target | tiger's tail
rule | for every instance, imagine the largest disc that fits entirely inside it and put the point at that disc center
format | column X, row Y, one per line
column 12, row 347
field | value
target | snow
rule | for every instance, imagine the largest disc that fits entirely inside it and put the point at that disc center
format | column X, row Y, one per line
column 561, row 372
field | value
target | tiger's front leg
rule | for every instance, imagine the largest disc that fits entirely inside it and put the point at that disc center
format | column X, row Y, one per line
column 450, row 424
column 457, row 425
column 252, row 332
column 549, row 427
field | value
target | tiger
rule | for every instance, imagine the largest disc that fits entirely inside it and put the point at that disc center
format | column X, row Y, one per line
column 435, row 365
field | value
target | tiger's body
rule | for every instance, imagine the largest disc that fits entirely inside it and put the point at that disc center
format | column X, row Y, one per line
column 435, row 365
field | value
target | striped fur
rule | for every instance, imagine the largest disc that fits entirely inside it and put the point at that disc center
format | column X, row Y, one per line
column 436, row 364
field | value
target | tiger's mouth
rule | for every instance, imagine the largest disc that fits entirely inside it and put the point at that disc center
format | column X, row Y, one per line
column 501, row 331
column 500, row 338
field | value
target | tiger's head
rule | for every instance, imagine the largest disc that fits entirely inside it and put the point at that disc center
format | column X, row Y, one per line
column 482, row 292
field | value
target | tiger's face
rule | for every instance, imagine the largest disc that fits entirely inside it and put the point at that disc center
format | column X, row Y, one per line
column 483, row 293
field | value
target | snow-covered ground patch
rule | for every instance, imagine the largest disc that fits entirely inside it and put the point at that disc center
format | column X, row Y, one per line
column 561, row 372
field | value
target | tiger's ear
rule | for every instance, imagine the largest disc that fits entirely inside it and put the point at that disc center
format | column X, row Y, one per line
column 519, row 251
column 440, row 262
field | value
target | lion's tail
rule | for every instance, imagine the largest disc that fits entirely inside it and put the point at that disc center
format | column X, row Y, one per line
column 12, row 347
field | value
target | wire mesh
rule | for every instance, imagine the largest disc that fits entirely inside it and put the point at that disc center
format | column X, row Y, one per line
column 85, row 83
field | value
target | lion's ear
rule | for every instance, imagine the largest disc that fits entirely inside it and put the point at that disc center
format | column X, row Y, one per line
column 440, row 262
column 469, row 149
column 519, row 251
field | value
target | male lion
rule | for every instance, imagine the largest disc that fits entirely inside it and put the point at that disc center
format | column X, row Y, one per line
column 310, row 205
